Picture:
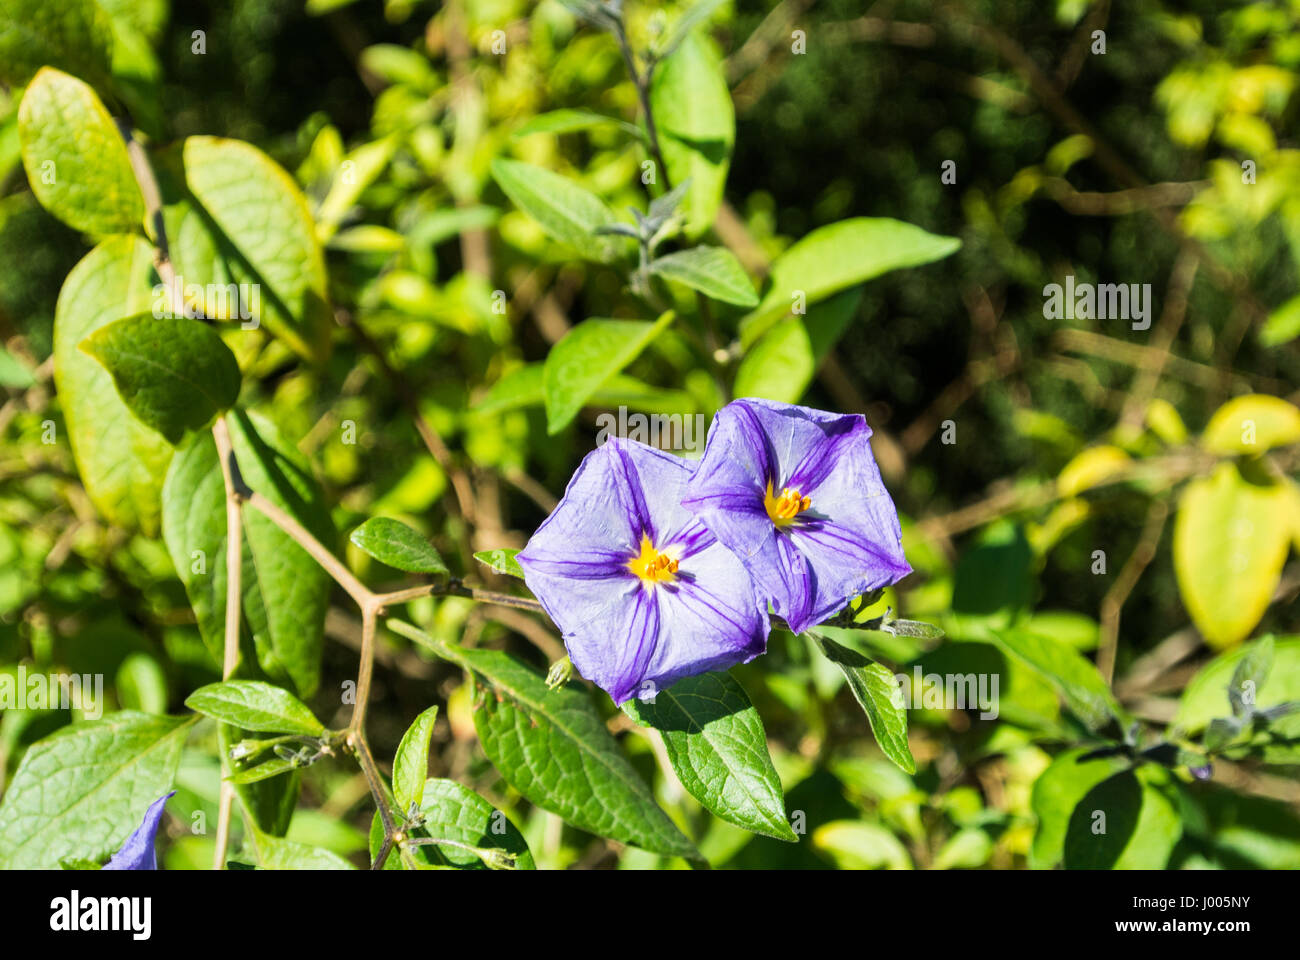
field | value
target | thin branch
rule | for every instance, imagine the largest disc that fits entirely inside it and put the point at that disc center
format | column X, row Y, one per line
column 234, row 568
column 332, row 565
column 361, row 749
column 642, row 83
column 1113, row 603
column 367, row 668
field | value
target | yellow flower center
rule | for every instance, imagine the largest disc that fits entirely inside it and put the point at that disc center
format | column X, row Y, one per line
column 783, row 509
column 653, row 566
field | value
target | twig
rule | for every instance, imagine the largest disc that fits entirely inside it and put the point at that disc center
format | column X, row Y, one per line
column 1113, row 602
column 234, row 568
column 1171, row 321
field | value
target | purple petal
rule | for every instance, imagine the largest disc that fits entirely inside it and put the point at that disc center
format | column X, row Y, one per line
column 138, row 852
column 629, row 637
column 847, row 542
column 710, row 620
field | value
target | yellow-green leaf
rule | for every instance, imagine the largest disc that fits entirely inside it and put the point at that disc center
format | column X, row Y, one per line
column 75, row 158
column 1252, row 424
column 696, row 126
column 1090, row 468
column 121, row 461
column 1229, row 548
column 265, row 237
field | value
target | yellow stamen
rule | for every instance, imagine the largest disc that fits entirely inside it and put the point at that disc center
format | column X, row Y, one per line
column 652, row 566
column 783, row 509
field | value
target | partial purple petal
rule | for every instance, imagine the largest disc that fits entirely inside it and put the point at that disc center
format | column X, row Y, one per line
column 711, row 620
column 615, row 651
column 138, row 852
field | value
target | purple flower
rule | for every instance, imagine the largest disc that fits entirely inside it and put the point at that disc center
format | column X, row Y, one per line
column 138, row 853
column 642, row 592
column 797, row 496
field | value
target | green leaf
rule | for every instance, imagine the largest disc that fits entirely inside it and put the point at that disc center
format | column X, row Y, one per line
column 286, row 592
column 589, row 355
column 1282, row 325
column 121, row 461
column 411, row 762
column 521, row 387
column 173, row 374
column 1206, row 696
column 252, row 225
column 276, row 853
column 783, row 362
column 82, row 790
column 1075, row 677
column 567, row 121
column 697, row 14
column 967, row 849
column 75, row 158
column 552, row 746
column 14, row 373
column 696, row 125
column 1252, row 670
column 394, row 543
column 713, row 271
column 453, row 812
column 838, row 256
column 858, row 845
column 359, row 169
column 1056, row 793
column 501, row 561
column 567, row 212
column 253, row 705
column 273, row 767
column 1123, row 823
column 268, row 798
column 877, row 692
column 71, row 35
column 715, row 741
column 1229, row 549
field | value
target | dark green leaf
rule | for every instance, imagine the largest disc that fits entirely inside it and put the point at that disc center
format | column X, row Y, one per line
column 877, row 692
column 715, row 741
column 1075, row 677
column 174, row 374
column 714, row 271
column 411, row 762
column 253, row 705
column 1056, row 793
column 394, row 543
column 285, row 591
column 589, row 355
column 1123, row 823
column 501, row 561
column 838, row 256
column 567, row 212
column 81, row 791
column 453, row 812
column 552, row 747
